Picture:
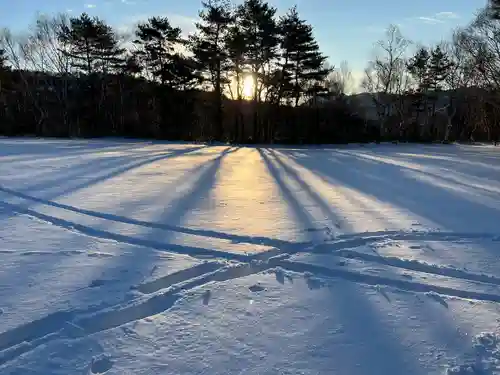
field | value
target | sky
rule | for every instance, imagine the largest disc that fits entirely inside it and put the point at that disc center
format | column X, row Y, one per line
column 345, row 29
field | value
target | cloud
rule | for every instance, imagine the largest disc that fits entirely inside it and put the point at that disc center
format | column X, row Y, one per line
column 187, row 24
column 430, row 20
column 438, row 18
column 447, row 15
column 127, row 27
column 89, row 5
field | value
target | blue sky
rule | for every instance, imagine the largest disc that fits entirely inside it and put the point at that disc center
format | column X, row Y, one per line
column 346, row 29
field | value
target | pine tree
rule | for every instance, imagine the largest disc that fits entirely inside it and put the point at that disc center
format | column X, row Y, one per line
column 3, row 60
column 93, row 45
column 209, row 49
column 257, row 25
column 93, row 49
column 303, row 68
column 418, row 67
column 494, row 6
column 440, row 67
column 236, row 45
column 158, row 44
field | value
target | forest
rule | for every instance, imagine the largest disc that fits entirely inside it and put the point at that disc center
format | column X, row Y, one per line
column 246, row 75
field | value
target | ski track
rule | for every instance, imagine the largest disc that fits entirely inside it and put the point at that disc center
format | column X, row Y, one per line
column 76, row 324
column 160, row 294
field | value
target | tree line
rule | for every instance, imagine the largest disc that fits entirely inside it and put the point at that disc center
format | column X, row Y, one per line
column 76, row 76
column 245, row 75
column 446, row 92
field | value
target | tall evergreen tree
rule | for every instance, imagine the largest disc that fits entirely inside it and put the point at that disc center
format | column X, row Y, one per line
column 158, row 44
column 440, row 67
column 303, row 66
column 93, row 45
column 3, row 60
column 257, row 25
column 236, row 46
column 418, row 67
column 92, row 48
column 495, row 8
column 209, row 49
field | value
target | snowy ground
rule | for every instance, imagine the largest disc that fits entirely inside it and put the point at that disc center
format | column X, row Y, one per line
column 139, row 258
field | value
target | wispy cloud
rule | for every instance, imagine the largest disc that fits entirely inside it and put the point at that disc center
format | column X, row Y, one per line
column 127, row 26
column 187, row 24
column 438, row 18
column 447, row 15
column 430, row 20
column 89, row 6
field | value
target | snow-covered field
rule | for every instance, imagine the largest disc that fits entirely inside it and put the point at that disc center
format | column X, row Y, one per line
column 120, row 257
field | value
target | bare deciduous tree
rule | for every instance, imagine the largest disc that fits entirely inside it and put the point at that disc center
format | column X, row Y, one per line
column 386, row 77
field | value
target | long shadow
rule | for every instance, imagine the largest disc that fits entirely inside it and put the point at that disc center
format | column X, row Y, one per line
column 472, row 161
column 351, row 303
column 114, row 173
column 106, row 235
column 45, row 147
column 266, row 241
column 316, row 198
column 362, row 331
column 203, row 178
column 70, row 188
column 8, row 210
column 467, row 188
column 306, row 220
column 198, row 193
column 389, row 183
column 433, row 171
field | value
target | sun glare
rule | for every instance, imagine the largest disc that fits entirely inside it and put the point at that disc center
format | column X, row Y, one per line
column 248, row 87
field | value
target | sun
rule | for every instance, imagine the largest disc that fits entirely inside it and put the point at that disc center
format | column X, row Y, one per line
column 248, row 86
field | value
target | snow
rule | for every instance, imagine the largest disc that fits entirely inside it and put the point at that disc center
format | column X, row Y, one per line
column 135, row 257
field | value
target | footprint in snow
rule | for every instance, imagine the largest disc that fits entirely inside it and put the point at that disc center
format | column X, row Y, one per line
column 99, row 282
column 280, row 276
column 206, row 297
column 153, row 270
column 256, row 288
column 312, row 230
column 438, row 298
column 100, row 365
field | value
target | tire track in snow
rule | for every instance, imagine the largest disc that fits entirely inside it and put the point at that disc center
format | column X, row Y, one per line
column 342, row 241
column 178, row 277
column 152, row 225
column 114, row 317
column 354, row 240
column 65, row 325
column 417, row 266
column 121, row 238
column 74, row 324
column 370, row 279
column 361, row 239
